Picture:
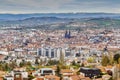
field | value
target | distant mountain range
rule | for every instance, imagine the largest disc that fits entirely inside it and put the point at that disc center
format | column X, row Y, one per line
column 4, row 17
column 60, row 20
column 37, row 21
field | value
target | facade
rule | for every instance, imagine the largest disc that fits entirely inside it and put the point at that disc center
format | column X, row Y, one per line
column 9, row 78
column 49, row 52
column 90, row 72
column 44, row 71
column 55, row 52
column 66, row 73
column 20, row 75
column 51, row 77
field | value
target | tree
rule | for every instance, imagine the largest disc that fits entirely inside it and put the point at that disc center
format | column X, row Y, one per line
column 53, row 62
column 116, row 57
column 91, row 60
column 105, row 60
column 21, row 64
column 111, row 59
column 5, row 67
column 75, row 65
column 13, row 65
column 28, row 64
column 82, row 65
column 58, row 70
column 30, row 77
column 119, row 60
column 36, row 61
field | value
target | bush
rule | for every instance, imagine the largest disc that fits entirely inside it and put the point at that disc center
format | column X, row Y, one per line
column 30, row 77
column 116, row 57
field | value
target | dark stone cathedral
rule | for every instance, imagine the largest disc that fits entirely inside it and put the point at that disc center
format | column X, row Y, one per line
column 68, row 34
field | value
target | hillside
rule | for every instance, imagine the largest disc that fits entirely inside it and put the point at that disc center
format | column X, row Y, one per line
column 63, row 23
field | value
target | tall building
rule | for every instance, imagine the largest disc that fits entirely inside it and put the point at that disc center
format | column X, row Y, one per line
column 47, row 52
column 55, row 53
column 62, row 55
column 68, row 34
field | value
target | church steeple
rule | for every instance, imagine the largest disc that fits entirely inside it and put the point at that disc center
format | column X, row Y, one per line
column 67, row 34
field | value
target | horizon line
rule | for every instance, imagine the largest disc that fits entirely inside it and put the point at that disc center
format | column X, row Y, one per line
column 59, row 13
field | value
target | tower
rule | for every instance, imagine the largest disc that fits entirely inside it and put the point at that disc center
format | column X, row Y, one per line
column 68, row 34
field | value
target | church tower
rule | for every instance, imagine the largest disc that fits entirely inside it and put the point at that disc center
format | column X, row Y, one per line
column 68, row 34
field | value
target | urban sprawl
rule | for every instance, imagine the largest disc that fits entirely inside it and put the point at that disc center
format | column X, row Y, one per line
column 33, row 54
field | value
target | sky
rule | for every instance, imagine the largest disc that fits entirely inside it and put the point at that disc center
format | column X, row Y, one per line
column 59, row 6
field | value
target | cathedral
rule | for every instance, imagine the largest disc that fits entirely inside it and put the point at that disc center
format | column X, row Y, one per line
column 68, row 34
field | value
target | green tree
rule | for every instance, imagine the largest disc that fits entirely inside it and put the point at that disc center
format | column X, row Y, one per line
column 91, row 60
column 58, row 70
column 82, row 65
column 116, row 57
column 30, row 77
column 75, row 65
column 12, row 65
column 21, row 64
column 53, row 62
column 105, row 60
column 119, row 60
column 28, row 64
column 36, row 61
column 5, row 67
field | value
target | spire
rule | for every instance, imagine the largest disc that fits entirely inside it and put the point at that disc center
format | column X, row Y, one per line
column 67, row 34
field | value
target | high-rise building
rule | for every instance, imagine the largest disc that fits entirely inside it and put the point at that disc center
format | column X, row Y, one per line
column 47, row 52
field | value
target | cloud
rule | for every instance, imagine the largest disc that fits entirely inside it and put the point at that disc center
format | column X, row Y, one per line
column 38, row 3
column 34, row 6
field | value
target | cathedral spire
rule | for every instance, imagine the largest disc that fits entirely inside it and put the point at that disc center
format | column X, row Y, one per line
column 67, row 34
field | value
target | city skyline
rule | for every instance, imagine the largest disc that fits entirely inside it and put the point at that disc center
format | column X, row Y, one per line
column 59, row 6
